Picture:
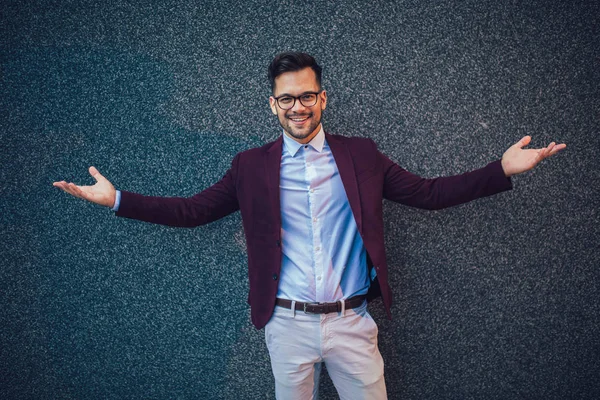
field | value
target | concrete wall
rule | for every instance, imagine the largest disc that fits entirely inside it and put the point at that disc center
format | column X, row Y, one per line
column 497, row 299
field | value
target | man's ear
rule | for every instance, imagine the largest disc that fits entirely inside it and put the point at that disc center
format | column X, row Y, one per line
column 273, row 104
column 323, row 95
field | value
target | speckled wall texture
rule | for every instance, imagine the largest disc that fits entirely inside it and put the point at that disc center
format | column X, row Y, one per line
column 496, row 299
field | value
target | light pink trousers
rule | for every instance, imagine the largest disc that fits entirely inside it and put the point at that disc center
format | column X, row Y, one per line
column 346, row 342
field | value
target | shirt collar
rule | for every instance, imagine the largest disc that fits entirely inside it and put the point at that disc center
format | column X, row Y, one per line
column 317, row 143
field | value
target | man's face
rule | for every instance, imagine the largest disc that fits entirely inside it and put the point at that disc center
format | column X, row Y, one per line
column 301, row 123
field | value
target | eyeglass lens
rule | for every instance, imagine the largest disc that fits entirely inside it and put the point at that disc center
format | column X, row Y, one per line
column 307, row 100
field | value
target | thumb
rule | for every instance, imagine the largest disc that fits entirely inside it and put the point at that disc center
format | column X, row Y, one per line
column 523, row 142
column 94, row 172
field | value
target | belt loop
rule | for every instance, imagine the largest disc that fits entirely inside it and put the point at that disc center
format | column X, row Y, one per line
column 343, row 307
column 293, row 308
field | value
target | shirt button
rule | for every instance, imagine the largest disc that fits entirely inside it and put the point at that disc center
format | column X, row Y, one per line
column 317, row 248
column 308, row 164
column 315, row 219
column 312, row 190
column 318, row 278
column 274, row 277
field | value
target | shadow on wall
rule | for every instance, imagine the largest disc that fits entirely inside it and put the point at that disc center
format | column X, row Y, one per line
column 96, row 304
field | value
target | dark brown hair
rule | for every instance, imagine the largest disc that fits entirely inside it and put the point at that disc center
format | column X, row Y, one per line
column 291, row 61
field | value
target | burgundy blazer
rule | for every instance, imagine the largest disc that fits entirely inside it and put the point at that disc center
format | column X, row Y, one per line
column 251, row 185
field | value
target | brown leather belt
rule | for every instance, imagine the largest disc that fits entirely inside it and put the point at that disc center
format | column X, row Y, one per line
column 322, row 308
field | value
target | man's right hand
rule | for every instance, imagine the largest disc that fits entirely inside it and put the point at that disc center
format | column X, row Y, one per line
column 103, row 192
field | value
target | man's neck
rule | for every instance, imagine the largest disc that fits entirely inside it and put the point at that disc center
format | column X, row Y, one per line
column 306, row 139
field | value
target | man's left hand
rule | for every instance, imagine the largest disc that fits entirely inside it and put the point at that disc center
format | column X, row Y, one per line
column 517, row 159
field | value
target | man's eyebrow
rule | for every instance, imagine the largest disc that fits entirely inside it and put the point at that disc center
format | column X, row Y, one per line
column 301, row 94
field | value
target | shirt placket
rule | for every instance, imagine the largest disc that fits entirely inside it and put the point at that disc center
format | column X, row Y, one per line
column 315, row 224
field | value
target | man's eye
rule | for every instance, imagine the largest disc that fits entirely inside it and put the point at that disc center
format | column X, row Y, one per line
column 308, row 97
column 285, row 100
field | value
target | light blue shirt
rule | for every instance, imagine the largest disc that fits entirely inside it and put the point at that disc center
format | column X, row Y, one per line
column 117, row 201
column 324, row 258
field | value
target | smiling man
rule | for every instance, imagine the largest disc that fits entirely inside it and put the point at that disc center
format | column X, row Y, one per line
column 311, row 205
column 298, row 99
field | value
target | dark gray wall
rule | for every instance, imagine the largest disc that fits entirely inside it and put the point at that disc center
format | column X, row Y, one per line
column 497, row 299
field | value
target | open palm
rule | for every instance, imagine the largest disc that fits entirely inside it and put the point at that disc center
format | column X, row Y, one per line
column 517, row 159
column 103, row 192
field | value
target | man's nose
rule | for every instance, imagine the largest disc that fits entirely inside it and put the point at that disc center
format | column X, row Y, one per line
column 298, row 106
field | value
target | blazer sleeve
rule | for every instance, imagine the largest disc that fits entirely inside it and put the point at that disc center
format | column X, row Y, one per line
column 433, row 194
column 211, row 204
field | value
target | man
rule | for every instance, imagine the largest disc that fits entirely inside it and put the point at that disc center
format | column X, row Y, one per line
column 311, row 207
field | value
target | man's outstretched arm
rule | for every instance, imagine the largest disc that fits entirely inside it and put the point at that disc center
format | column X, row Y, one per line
column 436, row 193
column 211, row 204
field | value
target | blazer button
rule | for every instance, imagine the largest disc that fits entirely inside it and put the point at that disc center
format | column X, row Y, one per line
column 274, row 277
column 279, row 243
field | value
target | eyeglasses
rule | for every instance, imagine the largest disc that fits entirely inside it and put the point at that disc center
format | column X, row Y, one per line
column 307, row 99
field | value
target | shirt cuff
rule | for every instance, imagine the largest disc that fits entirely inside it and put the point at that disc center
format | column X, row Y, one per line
column 117, row 201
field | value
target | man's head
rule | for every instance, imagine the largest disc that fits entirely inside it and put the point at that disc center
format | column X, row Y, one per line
column 297, row 99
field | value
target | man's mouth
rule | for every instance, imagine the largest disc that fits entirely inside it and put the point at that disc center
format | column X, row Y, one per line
column 299, row 118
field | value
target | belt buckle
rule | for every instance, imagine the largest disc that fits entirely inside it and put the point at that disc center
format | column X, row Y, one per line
column 310, row 304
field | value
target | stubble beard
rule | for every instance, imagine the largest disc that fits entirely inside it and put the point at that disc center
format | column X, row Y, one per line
column 299, row 133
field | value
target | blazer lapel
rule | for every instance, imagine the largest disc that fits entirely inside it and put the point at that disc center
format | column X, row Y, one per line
column 343, row 159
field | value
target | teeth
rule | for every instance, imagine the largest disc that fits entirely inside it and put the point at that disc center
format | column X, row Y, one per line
column 299, row 119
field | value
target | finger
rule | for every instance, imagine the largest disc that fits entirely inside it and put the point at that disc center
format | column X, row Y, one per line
column 548, row 149
column 76, row 191
column 523, row 142
column 63, row 186
column 557, row 148
column 94, row 172
column 539, row 156
column 71, row 189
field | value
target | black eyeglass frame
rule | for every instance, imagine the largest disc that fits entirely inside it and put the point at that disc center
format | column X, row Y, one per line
column 299, row 98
